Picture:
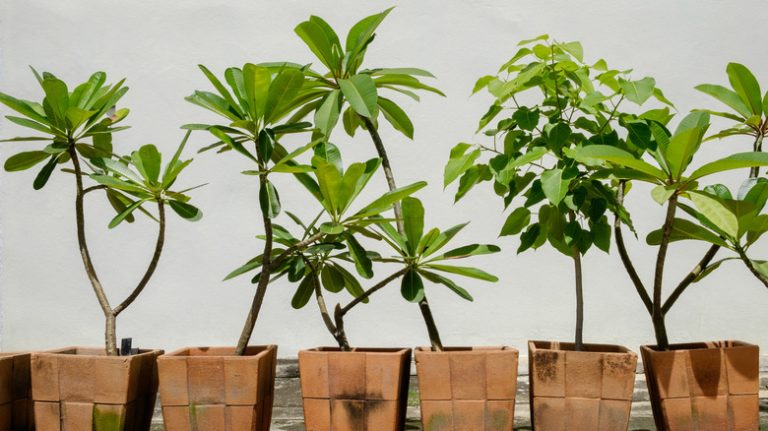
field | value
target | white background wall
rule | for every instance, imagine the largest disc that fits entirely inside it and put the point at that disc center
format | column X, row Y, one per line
column 46, row 301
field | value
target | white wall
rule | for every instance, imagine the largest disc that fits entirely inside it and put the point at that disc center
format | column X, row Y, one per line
column 45, row 298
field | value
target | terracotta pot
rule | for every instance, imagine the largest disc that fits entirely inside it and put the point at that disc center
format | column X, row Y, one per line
column 467, row 388
column 15, row 402
column 82, row 389
column 360, row 390
column 585, row 390
column 704, row 386
column 212, row 389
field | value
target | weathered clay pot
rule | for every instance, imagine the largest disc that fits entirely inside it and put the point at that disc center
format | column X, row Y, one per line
column 15, row 402
column 585, row 390
column 212, row 389
column 360, row 390
column 704, row 386
column 467, row 388
column 82, row 389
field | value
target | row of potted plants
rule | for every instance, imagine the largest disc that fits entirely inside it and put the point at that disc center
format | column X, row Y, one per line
column 561, row 151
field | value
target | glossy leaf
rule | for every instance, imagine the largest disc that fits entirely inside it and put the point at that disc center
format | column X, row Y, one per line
column 412, row 287
column 185, row 210
column 269, row 200
column 516, row 221
column 303, row 292
column 746, row 86
column 24, row 160
column 360, row 92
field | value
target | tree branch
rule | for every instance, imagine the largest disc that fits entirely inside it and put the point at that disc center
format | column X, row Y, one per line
column 688, row 279
column 751, row 266
column 625, row 259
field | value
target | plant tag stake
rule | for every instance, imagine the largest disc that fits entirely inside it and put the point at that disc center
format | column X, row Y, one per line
column 125, row 346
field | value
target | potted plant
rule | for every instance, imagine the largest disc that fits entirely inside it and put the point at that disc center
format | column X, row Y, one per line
column 568, row 103
column 703, row 384
column 96, row 388
column 16, row 413
column 353, row 93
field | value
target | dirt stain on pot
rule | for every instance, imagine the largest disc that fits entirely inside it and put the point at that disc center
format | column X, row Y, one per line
column 546, row 365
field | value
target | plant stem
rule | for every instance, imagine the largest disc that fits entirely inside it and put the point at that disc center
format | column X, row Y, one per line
column 579, row 280
column 152, row 264
column 110, row 337
column 751, row 266
column 298, row 246
column 625, row 259
column 426, row 311
column 754, row 171
column 323, row 308
column 659, row 324
column 340, row 311
column 688, row 280
column 261, row 289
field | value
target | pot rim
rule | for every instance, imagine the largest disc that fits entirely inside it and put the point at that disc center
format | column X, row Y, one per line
column 567, row 346
column 699, row 345
column 466, row 349
column 180, row 353
column 72, row 351
column 331, row 349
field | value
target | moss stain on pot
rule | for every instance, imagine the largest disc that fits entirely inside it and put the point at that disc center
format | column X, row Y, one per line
column 106, row 421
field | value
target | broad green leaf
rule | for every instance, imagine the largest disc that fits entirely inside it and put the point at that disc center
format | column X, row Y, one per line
column 303, row 292
column 329, row 179
column 327, row 115
column 360, row 92
column 117, row 183
column 447, row 282
column 402, row 71
column 363, row 263
column 257, row 82
column 385, row 201
column 526, row 119
column 125, row 213
column 221, row 89
column 350, row 283
column 122, row 169
column 638, row 91
column 746, row 86
column 554, row 186
column 573, row 48
column 444, row 237
column 516, row 222
column 535, row 39
column 468, row 251
column 42, row 177
column 318, row 42
column 269, row 200
column 717, row 212
column 185, row 210
column 396, row 117
column 616, row 156
column 726, row 96
column 412, row 287
column 413, row 222
column 77, row 116
column 148, row 161
column 57, row 97
column 361, row 33
column 464, row 270
column 25, row 160
column 31, row 124
column 246, row 267
column 23, row 107
column 282, row 91
column 459, row 162
column 332, row 279
column 734, row 161
column 661, row 194
column 683, row 229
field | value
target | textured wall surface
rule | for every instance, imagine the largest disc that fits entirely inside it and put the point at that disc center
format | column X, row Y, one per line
column 45, row 299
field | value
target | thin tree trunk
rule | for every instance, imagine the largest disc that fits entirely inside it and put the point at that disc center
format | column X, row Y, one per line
column 626, row 260
column 754, row 171
column 110, row 337
column 659, row 323
column 261, row 289
column 579, row 280
column 426, row 311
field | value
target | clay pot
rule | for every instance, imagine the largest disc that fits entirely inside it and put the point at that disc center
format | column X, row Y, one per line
column 82, row 389
column 704, row 386
column 585, row 390
column 212, row 389
column 467, row 388
column 359, row 390
column 15, row 402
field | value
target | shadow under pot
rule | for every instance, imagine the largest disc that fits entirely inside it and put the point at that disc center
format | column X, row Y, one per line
column 574, row 390
column 16, row 412
column 365, row 389
column 83, row 389
column 467, row 388
column 212, row 389
column 704, row 386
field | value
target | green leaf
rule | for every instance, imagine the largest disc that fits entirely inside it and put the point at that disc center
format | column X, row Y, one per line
column 148, row 161
column 637, row 91
column 57, row 97
column 303, row 292
column 746, row 86
column 616, row 156
column 122, row 169
column 221, row 89
column 734, row 161
column 361, row 33
column 25, row 160
column 437, row 278
column 185, row 210
column 42, row 177
column 363, row 263
column 459, row 162
column 402, row 71
column 327, row 115
column 23, row 108
column 257, row 82
column 269, row 200
column 318, row 42
column 126, row 212
column 282, row 91
column 554, row 186
column 465, row 271
column 77, row 116
column 717, row 212
column 332, row 279
column 385, row 201
column 516, row 222
column 413, row 222
column 661, row 194
column 526, row 119
column 573, row 48
column 360, row 92
column 30, row 124
column 683, row 229
column 726, row 96
column 412, row 287
column 247, row 267
column 396, row 117
column 468, row 251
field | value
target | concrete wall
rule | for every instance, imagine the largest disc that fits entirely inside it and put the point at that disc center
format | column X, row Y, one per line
column 45, row 299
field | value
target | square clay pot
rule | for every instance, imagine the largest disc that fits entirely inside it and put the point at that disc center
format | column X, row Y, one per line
column 16, row 412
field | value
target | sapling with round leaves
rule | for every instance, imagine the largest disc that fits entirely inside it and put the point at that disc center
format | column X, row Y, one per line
column 350, row 92
column 547, row 101
column 77, row 127
column 666, row 164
